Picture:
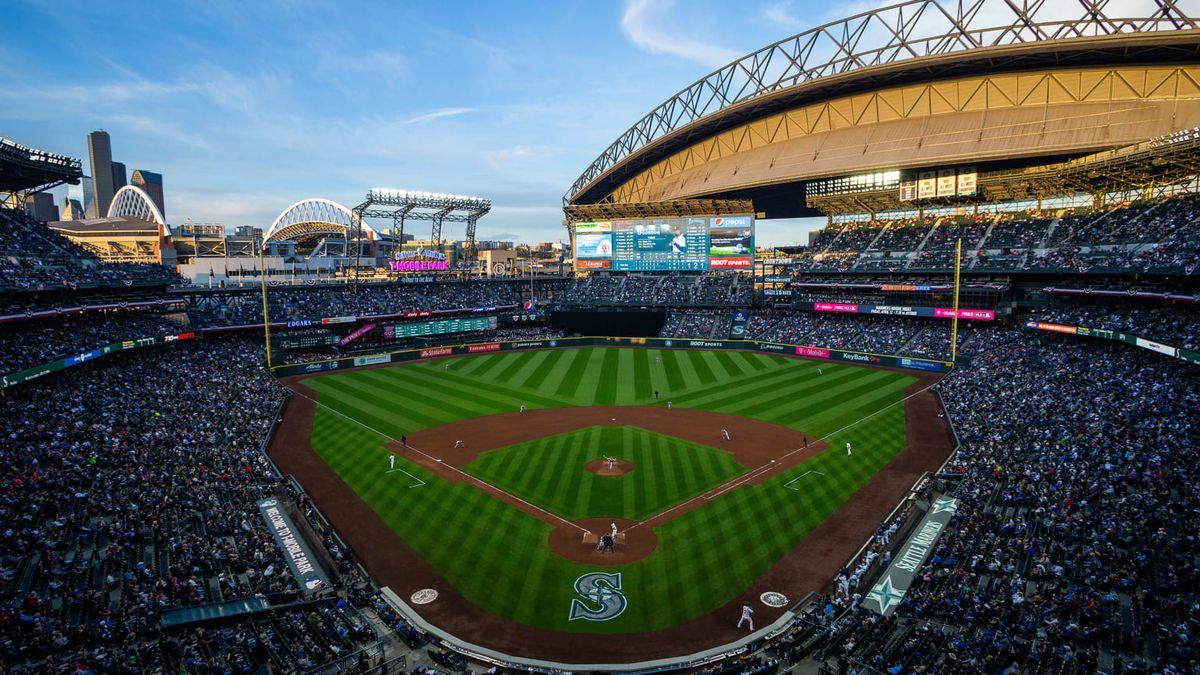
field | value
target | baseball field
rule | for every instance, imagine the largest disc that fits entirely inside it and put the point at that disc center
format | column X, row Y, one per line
column 505, row 506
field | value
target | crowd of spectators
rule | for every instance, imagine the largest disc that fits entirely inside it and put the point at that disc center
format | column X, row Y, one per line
column 24, row 344
column 708, row 288
column 697, row 324
column 1074, row 546
column 1162, row 234
column 314, row 303
column 34, row 257
column 1175, row 324
column 127, row 488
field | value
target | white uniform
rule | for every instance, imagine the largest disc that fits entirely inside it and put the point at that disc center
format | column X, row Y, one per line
column 747, row 610
column 391, row 461
column 848, row 452
column 614, row 529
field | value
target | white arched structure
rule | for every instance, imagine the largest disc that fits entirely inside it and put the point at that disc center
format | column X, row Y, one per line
column 316, row 216
column 132, row 201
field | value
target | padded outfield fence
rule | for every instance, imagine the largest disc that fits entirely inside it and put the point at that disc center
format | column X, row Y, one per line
column 802, row 351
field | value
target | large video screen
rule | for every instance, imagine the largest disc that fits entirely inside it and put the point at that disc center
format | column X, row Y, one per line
column 730, row 242
column 593, row 246
column 666, row 244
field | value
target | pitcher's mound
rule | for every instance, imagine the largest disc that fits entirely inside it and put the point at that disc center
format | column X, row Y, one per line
column 578, row 541
column 600, row 467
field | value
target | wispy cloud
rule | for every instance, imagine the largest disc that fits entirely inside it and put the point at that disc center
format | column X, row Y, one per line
column 780, row 14
column 438, row 114
column 642, row 23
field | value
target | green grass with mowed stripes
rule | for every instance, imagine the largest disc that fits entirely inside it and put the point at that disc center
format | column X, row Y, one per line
column 497, row 556
column 549, row 472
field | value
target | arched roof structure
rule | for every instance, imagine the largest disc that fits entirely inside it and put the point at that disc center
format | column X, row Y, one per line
column 132, row 202
column 316, row 216
column 844, row 63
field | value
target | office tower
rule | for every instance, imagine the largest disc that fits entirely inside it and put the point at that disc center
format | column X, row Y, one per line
column 152, row 183
column 119, row 179
column 40, row 206
column 100, row 156
column 73, row 209
column 81, row 193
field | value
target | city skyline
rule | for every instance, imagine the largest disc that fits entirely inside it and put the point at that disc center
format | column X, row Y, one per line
column 499, row 102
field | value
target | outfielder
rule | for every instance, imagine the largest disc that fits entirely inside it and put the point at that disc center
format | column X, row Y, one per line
column 848, row 451
column 747, row 611
column 391, row 461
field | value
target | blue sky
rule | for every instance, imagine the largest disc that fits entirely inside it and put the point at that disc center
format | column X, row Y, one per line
column 246, row 107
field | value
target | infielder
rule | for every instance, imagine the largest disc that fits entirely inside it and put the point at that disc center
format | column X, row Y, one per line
column 848, row 452
column 522, row 407
column 725, row 434
column 668, row 405
column 611, row 461
column 459, row 444
column 747, row 611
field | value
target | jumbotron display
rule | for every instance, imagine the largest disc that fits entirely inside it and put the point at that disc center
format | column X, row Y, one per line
column 691, row 244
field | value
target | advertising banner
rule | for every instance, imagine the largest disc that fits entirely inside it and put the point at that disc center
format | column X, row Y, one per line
column 815, row 352
column 373, row 360
column 908, row 190
column 356, row 334
column 299, row 557
column 488, row 347
column 1155, row 346
column 778, row 292
column 835, row 307
column 436, row 351
column 1055, row 327
column 777, row 279
column 338, row 319
column 972, row 314
column 886, row 595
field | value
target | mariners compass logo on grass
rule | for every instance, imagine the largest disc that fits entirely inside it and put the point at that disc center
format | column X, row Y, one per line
column 603, row 599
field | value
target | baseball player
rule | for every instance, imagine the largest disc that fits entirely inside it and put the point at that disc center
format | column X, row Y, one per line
column 404, row 441
column 747, row 611
column 818, row 371
column 668, row 405
column 725, row 434
column 611, row 461
column 655, row 394
column 446, row 366
column 806, row 442
column 613, row 525
column 391, row 461
column 848, row 450
column 459, row 444
column 522, row 407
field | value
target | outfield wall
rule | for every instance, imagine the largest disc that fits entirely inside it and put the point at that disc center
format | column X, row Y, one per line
column 839, row 355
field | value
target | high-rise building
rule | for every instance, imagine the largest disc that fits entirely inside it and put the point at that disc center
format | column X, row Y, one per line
column 152, row 183
column 73, row 209
column 81, row 193
column 100, row 156
column 119, row 179
column 41, row 207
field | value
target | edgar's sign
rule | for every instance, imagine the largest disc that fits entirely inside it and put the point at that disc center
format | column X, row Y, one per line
column 602, row 597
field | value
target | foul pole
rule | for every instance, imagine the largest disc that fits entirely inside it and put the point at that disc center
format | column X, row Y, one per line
column 954, row 319
column 262, row 277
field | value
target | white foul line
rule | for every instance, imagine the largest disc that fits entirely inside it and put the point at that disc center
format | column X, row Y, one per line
column 788, row 484
column 453, row 468
column 419, row 481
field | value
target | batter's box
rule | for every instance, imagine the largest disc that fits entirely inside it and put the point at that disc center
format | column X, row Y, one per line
column 788, row 484
column 592, row 538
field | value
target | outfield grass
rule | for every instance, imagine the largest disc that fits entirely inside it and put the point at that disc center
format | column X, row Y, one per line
column 704, row 559
column 667, row 471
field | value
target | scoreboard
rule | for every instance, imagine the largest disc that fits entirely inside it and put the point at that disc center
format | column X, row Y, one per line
column 691, row 244
column 399, row 331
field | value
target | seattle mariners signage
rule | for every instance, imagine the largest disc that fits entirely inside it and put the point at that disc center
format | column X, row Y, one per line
column 602, row 597
column 299, row 558
column 885, row 596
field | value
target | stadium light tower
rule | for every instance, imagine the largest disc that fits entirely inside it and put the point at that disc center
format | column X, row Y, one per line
column 439, row 208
